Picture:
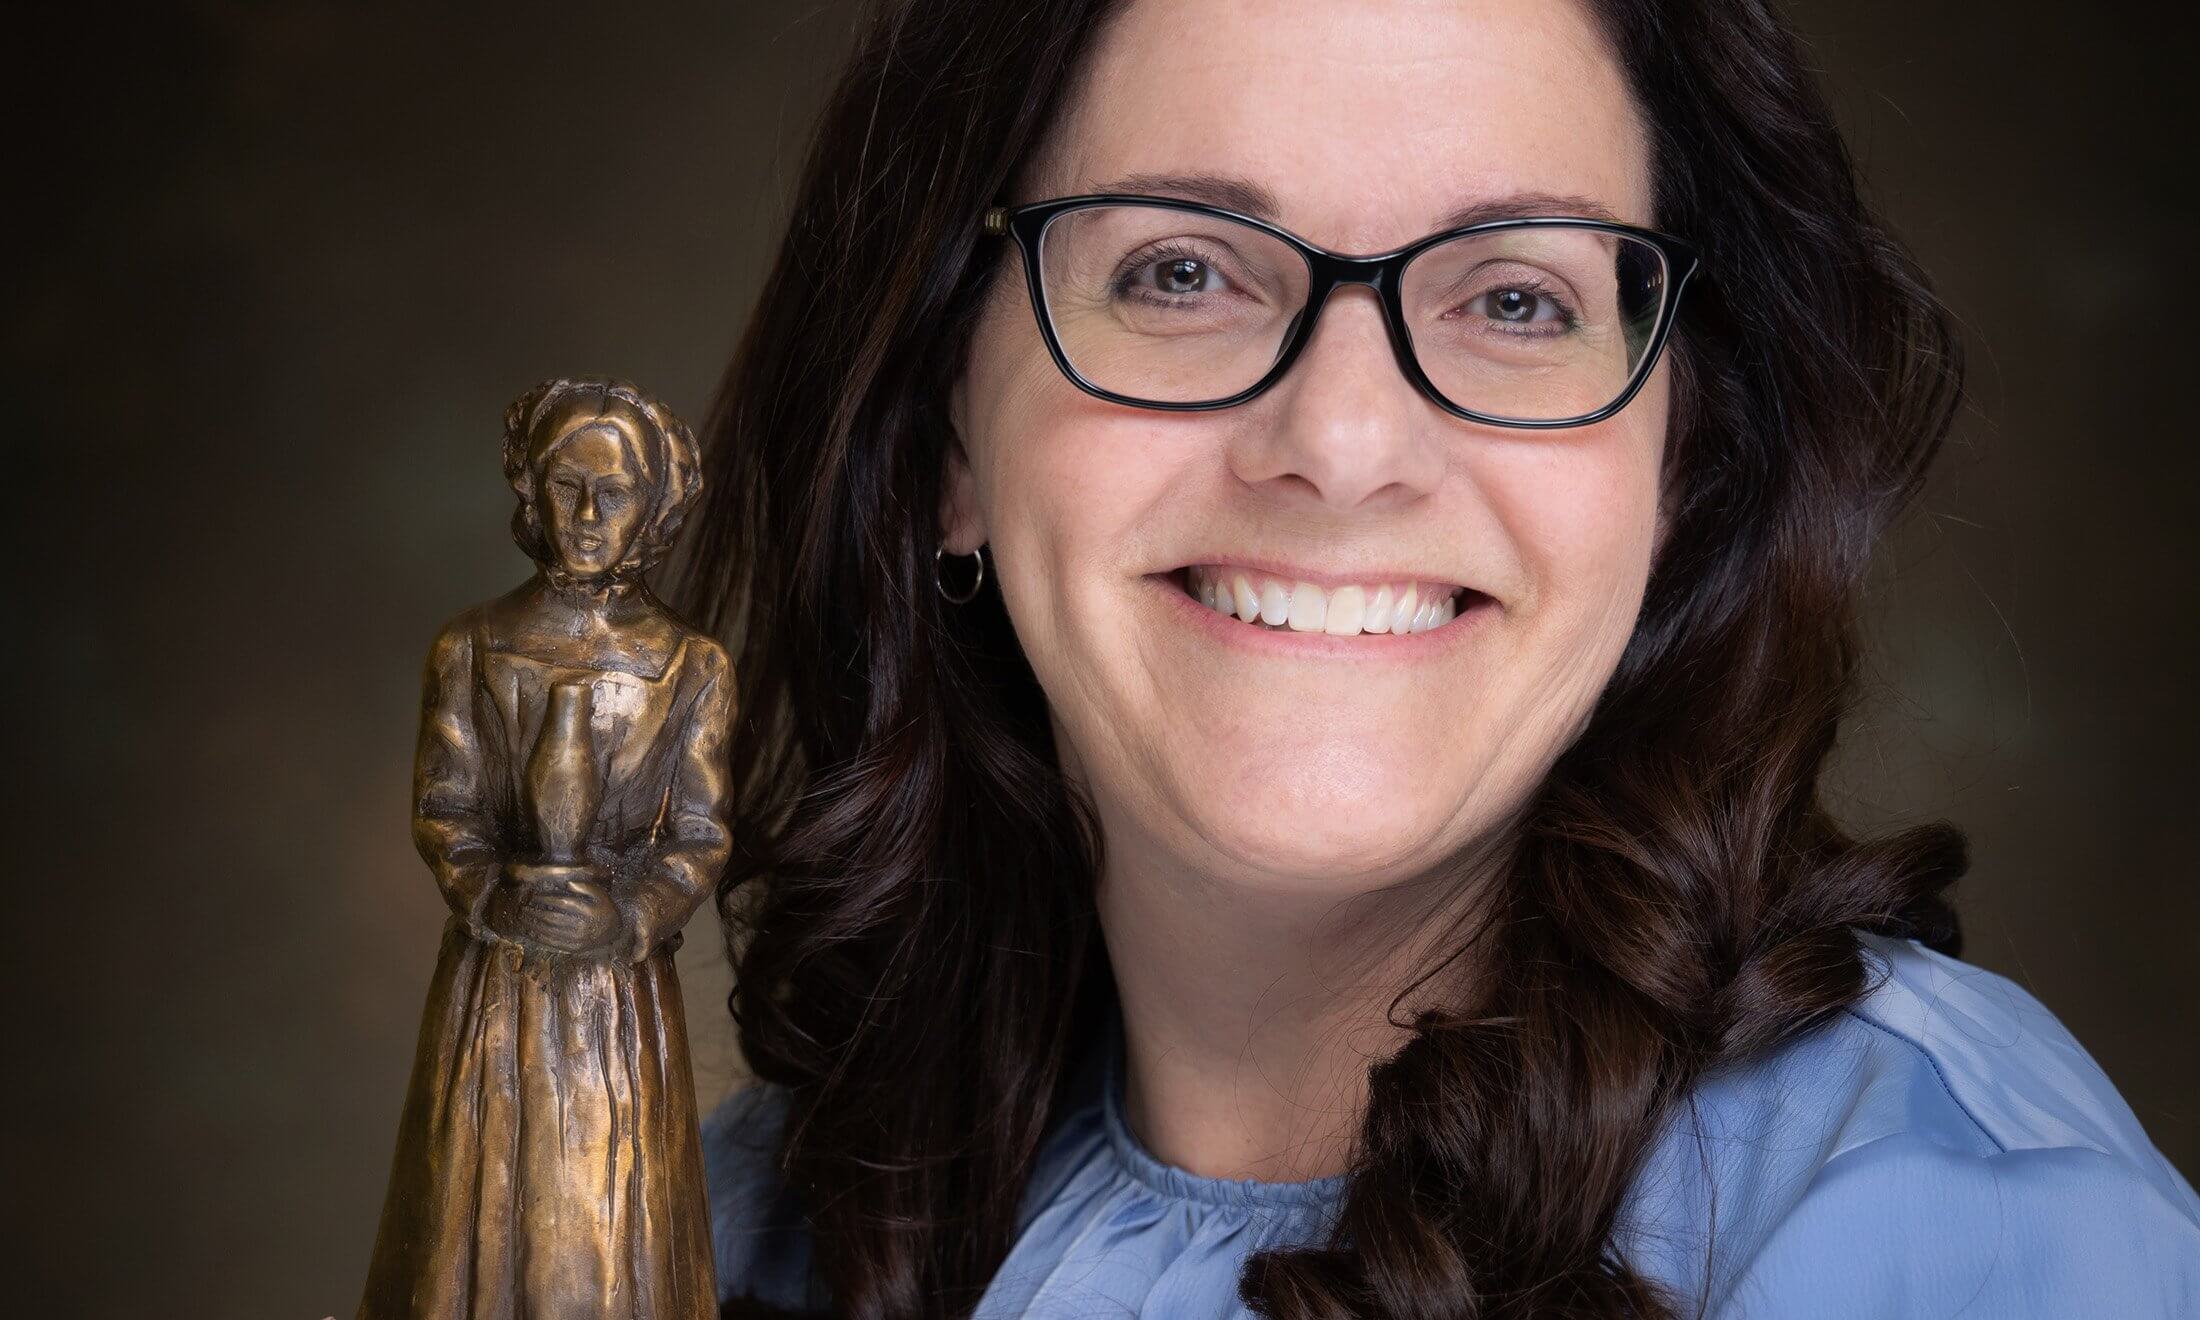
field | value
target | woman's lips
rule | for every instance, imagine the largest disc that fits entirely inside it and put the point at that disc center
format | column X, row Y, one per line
column 1335, row 609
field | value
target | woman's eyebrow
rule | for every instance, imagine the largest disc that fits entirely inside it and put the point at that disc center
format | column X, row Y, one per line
column 1247, row 197
column 1514, row 206
column 1223, row 190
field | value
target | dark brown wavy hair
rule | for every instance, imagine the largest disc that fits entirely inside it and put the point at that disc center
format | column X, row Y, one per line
column 911, row 907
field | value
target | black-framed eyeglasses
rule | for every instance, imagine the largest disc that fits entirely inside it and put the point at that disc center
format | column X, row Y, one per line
column 1542, row 321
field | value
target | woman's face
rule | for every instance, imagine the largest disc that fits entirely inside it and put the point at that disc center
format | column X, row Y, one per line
column 590, row 501
column 1297, row 760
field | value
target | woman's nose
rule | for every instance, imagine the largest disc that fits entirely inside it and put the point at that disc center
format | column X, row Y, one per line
column 584, row 508
column 1346, row 425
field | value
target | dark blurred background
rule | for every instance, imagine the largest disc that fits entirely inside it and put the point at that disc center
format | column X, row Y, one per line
column 277, row 270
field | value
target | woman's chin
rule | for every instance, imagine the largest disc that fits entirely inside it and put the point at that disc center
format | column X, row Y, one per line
column 1313, row 813
column 1340, row 848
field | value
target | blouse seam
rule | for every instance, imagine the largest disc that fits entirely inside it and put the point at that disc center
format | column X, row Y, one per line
column 1939, row 1074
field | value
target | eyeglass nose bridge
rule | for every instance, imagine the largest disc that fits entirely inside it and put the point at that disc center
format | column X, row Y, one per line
column 1326, row 273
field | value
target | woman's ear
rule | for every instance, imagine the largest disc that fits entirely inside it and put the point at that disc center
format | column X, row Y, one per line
column 962, row 520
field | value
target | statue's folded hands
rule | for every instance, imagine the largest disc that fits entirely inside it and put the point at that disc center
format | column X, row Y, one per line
column 566, row 906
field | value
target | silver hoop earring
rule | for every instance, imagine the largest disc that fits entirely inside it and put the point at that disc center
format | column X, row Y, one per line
column 941, row 583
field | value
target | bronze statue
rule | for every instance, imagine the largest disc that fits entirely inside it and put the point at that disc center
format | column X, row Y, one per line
column 571, row 798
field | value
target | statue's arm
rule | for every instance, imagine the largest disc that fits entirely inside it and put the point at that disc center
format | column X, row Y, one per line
column 451, row 826
column 696, row 837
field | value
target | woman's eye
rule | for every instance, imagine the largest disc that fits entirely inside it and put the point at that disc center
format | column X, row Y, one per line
column 1182, row 275
column 1518, row 305
column 1178, row 277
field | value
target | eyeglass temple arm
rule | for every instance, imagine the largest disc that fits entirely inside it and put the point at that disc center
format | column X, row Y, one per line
column 996, row 220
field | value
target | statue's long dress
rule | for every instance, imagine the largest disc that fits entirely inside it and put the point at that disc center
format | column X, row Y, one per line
column 555, row 1092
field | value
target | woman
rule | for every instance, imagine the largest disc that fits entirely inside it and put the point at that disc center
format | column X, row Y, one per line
column 1157, row 906
column 571, row 800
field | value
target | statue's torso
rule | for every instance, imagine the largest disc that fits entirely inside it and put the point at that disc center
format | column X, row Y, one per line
column 635, row 637
column 636, row 675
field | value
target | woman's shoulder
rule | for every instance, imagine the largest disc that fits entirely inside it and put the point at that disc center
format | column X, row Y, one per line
column 2005, row 1064
column 759, row 1240
column 1943, row 1143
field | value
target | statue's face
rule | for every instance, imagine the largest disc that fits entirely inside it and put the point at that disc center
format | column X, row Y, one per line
column 590, row 502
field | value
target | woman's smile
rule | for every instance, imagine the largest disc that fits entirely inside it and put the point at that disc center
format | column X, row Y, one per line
column 1375, row 616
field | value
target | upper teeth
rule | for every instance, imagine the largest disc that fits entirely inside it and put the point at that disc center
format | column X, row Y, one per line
column 1383, row 607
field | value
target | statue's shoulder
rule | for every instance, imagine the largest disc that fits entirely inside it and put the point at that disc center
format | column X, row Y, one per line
column 503, row 622
column 454, row 641
column 707, row 652
column 704, row 652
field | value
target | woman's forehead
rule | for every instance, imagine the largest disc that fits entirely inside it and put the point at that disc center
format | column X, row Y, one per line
column 1367, row 123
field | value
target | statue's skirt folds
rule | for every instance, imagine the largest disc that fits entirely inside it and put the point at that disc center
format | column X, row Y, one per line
column 548, row 1164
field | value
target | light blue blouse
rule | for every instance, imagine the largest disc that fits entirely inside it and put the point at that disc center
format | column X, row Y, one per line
column 1942, row 1148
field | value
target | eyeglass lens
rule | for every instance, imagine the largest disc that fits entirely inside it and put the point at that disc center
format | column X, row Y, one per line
column 1540, row 323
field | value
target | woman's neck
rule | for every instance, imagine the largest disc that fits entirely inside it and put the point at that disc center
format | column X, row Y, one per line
column 1251, row 1015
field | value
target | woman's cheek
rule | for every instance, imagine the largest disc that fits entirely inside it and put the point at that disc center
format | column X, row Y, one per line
column 1581, row 514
